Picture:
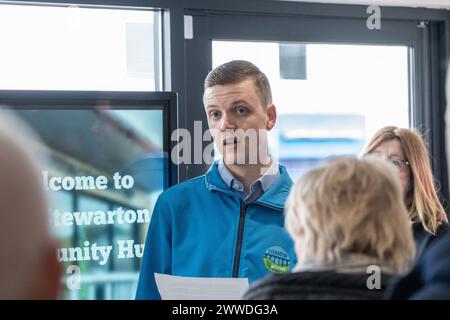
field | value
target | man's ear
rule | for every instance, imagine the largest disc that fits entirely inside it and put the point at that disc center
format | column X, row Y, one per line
column 272, row 116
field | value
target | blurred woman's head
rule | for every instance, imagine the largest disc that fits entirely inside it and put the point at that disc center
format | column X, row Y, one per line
column 350, row 206
column 407, row 151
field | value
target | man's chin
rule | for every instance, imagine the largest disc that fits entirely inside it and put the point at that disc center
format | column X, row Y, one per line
column 232, row 158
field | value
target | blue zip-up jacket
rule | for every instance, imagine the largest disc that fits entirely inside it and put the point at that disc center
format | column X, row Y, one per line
column 201, row 228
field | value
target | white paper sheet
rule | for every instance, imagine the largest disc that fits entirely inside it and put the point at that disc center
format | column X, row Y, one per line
column 193, row 288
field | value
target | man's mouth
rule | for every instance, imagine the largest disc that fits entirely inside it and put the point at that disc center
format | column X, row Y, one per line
column 230, row 141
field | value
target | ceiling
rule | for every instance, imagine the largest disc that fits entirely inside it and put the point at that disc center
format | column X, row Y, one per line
column 436, row 4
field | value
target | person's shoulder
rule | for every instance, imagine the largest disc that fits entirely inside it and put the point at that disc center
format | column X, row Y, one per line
column 282, row 282
column 444, row 228
column 439, row 248
column 430, row 276
column 184, row 188
column 265, row 288
column 442, row 231
column 315, row 285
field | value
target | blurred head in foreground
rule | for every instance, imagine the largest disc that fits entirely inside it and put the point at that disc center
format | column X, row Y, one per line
column 350, row 206
column 28, row 264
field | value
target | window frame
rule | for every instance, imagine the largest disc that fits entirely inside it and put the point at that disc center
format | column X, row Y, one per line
column 179, row 74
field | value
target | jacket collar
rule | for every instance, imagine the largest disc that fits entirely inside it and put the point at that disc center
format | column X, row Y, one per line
column 274, row 197
column 347, row 263
column 265, row 181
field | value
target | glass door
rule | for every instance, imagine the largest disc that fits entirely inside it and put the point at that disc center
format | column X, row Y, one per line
column 330, row 98
column 334, row 81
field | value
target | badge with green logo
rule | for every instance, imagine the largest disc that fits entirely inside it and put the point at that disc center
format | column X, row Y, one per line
column 277, row 260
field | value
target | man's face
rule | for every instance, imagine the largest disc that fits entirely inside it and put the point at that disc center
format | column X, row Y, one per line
column 237, row 106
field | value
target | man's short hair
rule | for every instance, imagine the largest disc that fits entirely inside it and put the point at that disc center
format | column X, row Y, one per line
column 237, row 71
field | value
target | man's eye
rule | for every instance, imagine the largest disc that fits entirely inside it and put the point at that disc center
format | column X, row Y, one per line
column 241, row 111
column 214, row 114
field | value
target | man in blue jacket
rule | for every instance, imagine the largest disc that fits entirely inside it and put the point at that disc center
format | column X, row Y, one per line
column 230, row 221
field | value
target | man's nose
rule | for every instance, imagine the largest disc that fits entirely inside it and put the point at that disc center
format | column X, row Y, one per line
column 227, row 123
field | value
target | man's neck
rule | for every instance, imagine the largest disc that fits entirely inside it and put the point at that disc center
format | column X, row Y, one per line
column 248, row 173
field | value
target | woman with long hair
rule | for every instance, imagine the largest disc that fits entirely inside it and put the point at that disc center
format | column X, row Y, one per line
column 406, row 150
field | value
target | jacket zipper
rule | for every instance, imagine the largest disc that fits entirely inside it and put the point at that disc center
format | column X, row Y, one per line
column 237, row 257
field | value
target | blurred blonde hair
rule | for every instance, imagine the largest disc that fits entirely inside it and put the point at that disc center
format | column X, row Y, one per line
column 350, row 205
column 421, row 200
